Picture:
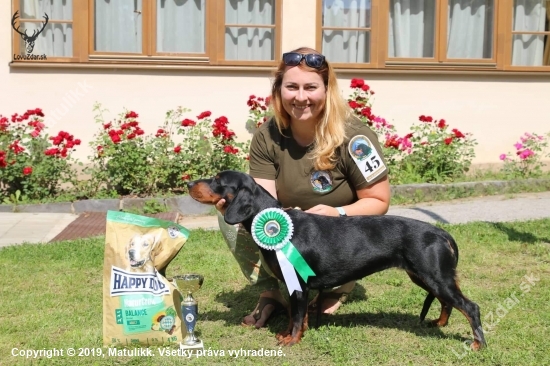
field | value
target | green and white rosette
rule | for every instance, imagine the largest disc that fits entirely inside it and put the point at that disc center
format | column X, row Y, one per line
column 272, row 230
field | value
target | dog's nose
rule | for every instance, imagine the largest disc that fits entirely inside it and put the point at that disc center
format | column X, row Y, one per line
column 190, row 185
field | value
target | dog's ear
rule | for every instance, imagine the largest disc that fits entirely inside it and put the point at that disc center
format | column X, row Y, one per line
column 241, row 207
column 157, row 242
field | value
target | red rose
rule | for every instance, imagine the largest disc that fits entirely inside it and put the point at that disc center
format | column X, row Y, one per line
column 457, row 133
column 107, row 126
column 50, row 152
column 16, row 148
column 131, row 115
column 188, row 123
column 131, row 136
column 353, row 104
column 115, row 138
column 357, row 83
column 230, row 149
column 177, row 149
column 221, row 120
column 185, row 177
column 27, row 170
column 448, row 140
column 365, row 87
column 204, row 115
column 441, row 124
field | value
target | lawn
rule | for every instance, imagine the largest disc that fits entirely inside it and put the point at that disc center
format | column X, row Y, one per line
column 52, row 299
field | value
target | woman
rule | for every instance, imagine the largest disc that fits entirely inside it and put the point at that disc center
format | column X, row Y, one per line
column 313, row 154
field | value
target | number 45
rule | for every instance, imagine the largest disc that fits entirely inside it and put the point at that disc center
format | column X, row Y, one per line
column 375, row 160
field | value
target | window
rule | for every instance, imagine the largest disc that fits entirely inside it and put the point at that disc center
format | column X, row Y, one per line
column 347, row 30
column 209, row 32
column 435, row 34
column 530, row 32
column 44, row 28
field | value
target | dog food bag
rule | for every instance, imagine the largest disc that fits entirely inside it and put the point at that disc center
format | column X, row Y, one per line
column 140, row 306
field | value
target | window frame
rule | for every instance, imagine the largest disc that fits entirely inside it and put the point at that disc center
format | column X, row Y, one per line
column 502, row 43
column 214, row 55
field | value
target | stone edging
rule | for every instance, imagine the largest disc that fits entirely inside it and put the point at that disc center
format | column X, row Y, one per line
column 188, row 206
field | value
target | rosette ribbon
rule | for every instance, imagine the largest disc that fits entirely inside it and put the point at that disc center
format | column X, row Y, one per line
column 272, row 230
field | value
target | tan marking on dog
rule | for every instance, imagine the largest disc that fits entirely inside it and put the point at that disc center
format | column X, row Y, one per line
column 202, row 193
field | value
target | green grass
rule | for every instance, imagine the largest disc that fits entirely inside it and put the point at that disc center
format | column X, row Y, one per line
column 51, row 297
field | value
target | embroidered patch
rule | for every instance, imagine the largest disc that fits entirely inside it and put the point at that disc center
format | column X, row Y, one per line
column 321, row 181
column 366, row 157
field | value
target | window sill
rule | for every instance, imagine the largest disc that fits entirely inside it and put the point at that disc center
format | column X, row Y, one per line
column 130, row 66
column 393, row 70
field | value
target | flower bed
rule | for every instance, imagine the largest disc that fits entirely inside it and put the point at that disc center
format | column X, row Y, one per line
column 127, row 160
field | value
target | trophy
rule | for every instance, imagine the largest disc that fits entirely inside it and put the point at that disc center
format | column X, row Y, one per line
column 187, row 284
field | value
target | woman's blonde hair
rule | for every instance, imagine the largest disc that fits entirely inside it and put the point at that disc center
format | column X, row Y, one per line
column 330, row 130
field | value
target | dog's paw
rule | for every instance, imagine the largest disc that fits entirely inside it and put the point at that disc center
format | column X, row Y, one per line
column 282, row 335
column 288, row 341
column 437, row 323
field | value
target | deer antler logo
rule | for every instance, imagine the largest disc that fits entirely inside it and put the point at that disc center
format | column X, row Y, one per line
column 29, row 40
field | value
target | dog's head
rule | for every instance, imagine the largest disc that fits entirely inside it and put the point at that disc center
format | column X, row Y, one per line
column 140, row 249
column 238, row 189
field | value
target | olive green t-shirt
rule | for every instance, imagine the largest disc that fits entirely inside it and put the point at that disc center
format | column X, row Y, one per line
column 278, row 157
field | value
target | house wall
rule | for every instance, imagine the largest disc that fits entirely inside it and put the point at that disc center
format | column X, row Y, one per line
column 496, row 108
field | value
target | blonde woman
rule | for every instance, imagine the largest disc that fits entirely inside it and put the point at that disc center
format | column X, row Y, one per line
column 313, row 154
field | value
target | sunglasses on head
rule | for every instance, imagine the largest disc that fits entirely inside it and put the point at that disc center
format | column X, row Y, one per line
column 312, row 59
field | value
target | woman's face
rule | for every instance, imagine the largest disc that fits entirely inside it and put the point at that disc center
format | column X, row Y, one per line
column 303, row 95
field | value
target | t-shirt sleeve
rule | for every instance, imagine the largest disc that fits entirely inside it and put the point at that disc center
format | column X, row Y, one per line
column 372, row 167
column 262, row 161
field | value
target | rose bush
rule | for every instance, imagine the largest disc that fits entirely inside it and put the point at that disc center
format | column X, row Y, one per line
column 127, row 161
column 431, row 152
column 437, row 152
column 258, row 112
column 527, row 160
column 32, row 162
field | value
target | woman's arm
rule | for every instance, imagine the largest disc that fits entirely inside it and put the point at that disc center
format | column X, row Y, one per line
column 269, row 185
column 373, row 200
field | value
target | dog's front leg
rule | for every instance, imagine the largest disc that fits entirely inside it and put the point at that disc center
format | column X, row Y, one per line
column 298, row 319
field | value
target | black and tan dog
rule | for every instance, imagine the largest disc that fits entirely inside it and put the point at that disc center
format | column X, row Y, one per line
column 343, row 249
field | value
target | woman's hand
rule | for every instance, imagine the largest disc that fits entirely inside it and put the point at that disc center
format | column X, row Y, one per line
column 219, row 206
column 323, row 210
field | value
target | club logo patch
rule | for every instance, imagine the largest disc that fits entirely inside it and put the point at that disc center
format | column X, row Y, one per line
column 360, row 148
column 366, row 157
column 321, row 181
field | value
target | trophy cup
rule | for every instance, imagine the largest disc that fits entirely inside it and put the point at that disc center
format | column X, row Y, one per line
column 187, row 284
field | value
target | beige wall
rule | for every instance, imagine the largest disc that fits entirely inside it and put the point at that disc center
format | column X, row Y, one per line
column 497, row 109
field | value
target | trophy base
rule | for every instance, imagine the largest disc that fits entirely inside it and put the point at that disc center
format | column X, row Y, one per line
column 197, row 346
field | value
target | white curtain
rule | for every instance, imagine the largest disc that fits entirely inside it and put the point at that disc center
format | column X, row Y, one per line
column 346, row 45
column 56, row 40
column 181, row 26
column 470, row 29
column 528, row 49
column 249, row 43
column 412, row 28
column 118, row 26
